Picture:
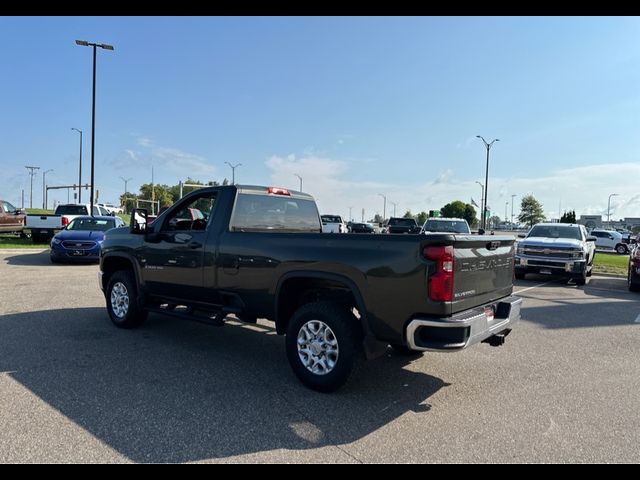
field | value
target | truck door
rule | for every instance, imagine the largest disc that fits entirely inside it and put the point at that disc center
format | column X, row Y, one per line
column 172, row 256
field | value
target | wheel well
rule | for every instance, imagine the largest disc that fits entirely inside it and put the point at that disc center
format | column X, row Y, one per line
column 112, row 265
column 296, row 292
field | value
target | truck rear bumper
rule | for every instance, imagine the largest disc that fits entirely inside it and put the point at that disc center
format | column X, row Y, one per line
column 464, row 329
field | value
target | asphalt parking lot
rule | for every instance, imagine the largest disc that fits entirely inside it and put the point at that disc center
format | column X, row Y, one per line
column 564, row 388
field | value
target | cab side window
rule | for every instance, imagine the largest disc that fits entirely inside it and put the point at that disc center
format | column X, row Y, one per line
column 193, row 215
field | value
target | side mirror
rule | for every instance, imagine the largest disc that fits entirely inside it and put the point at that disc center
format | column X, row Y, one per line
column 592, row 239
column 522, row 235
column 138, row 223
column 20, row 211
column 481, row 231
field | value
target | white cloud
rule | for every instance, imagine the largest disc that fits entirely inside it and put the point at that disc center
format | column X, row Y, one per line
column 170, row 160
column 583, row 189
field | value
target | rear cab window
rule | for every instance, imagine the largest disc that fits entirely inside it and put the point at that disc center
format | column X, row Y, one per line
column 258, row 211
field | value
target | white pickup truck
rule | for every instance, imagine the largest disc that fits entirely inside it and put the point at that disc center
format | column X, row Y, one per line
column 44, row 227
column 333, row 224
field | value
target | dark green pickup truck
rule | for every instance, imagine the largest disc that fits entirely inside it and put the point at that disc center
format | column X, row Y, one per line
column 258, row 252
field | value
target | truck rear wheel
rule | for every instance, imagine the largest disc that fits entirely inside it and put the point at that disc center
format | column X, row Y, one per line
column 122, row 300
column 323, row 345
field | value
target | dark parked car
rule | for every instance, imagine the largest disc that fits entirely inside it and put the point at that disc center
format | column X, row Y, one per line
column 80, row 240
column 633, row 276
column 362, row 228
column 402, row 225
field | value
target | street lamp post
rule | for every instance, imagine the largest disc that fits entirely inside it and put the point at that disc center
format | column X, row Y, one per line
column 512, row 197
column 506, row 204
column 394, row 207
column 233, row 172
column 44, row 195
column 300, row 180
column 384, row 207
column 350, row 208
column 486, row 178
column 481, row 201
column 125, row 180
column 609, row 209
column 80, row 168
column 104, row 46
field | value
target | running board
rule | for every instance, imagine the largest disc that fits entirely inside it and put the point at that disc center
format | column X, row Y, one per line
column 215, row 319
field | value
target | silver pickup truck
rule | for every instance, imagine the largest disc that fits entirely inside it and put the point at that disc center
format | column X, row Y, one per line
column 560, row 249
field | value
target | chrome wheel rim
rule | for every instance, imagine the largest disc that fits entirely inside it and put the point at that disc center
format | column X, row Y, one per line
column 119, row 300
column 317, row 347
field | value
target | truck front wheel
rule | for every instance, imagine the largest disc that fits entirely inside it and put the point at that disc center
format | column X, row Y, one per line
column 122, row 300
column 323, row 345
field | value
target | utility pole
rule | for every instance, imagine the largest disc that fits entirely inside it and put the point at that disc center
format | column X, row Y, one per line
column 512, row 197
column 32, row 173
column 350, row 208
column 300, row 180
column 394, row 207
column 505, row 210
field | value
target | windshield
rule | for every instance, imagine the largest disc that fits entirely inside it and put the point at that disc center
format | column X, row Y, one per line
column 553, row 231
column 91, row 224
column 449, row 226
column 331, row 219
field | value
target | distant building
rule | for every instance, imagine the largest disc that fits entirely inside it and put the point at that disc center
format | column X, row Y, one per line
column 591, row 221
column 632, row 222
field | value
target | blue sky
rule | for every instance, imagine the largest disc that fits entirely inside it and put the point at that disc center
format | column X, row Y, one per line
column 356, row 106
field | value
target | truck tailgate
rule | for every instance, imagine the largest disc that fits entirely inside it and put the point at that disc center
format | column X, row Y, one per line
column 483, row 267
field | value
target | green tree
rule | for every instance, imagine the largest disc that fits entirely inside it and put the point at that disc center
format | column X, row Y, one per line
column 459, row 209
column 568, row 217
column 156, row 192
column 421, row 218
column 530, row 211
column 408, row 214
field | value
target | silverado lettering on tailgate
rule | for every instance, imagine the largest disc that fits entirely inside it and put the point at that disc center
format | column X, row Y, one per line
column 488, row 264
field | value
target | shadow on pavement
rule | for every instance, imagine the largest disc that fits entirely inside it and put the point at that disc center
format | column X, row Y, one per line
column 177, row 391
column 40, row 258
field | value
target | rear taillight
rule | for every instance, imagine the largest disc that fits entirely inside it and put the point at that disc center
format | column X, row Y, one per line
column 441, row 282
column 65, row 221
column 279, row 191
column 340, row 228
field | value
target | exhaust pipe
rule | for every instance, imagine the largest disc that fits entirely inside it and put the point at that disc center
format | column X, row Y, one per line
column 498, row 339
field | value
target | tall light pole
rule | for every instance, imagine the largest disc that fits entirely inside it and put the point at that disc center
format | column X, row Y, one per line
column 512, row 197
column 233, row 172
column 506, row 204
column 394, row 207
column 125, row 180
column 44, row 195
column 350, row 208
column 486, row 178
column 32, row 173
column 104, row 46
column 300, row 180
column 609, row 209
column 80, row 169
column 384, row 207
column 481, row 201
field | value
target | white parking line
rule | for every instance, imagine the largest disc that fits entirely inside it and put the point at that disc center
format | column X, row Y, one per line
column 535, row 286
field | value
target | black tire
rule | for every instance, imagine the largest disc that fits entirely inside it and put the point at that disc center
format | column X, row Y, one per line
column 122, row 300
column 633, row 286
column 581, row 280
column 405, row 351
column 54, row 259
column 344, row 336
column 520, row 275
column 622, row 249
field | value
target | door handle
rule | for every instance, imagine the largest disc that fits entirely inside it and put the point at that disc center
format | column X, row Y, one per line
column 195, row 245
